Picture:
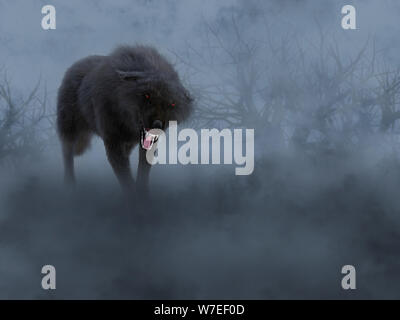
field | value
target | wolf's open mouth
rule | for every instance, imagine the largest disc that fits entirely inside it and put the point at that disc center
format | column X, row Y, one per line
column 148, row 139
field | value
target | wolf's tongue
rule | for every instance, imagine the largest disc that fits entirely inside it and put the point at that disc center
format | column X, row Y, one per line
column 147, row 142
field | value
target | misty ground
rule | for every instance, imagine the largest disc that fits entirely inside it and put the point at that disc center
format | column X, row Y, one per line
column 283, row 232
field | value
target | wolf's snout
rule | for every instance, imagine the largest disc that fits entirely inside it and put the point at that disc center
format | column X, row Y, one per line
column 157, row 124
column 150, row 136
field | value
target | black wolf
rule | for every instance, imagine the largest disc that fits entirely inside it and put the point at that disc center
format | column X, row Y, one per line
column 119, row 97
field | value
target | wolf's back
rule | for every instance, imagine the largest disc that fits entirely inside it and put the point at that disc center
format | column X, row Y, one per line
column 69, row 117
column 73, row 78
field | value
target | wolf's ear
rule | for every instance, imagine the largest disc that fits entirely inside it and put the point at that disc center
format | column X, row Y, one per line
column 131, row 75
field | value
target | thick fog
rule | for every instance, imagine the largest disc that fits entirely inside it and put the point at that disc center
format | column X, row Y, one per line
column 324, row 104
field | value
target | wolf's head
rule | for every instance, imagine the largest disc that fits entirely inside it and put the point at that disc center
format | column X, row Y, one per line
column 161, row 98
column 157, row 90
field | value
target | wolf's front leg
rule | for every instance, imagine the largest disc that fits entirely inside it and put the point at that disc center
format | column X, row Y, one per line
column 68, row 156
column 143, row 172
column 119, row 160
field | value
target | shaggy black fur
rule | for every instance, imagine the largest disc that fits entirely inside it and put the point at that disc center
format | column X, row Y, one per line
column 117, row 97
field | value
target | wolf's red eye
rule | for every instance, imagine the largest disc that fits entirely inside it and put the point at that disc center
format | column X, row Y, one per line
column 172, row 104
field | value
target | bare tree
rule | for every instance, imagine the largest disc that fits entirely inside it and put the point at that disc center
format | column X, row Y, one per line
column 387, row 98
column 307, row 93
column 21, row 134
column 229, row 97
